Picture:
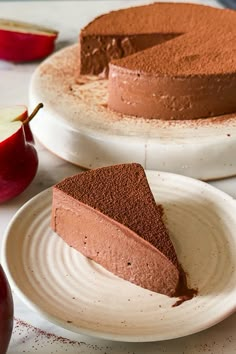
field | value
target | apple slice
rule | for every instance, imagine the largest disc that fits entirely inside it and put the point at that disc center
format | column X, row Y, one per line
column 20, row 41
column 13, row 113
column 8, row 130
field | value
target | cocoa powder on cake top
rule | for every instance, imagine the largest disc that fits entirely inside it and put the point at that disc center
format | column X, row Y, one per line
column 110, row 193
column 192, row 53
column 156, row 18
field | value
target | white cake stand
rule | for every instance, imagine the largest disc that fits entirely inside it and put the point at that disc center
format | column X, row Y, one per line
column 76, row 125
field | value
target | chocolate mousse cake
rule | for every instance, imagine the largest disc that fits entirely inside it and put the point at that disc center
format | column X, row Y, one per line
column 186, row 52
column 110, row 216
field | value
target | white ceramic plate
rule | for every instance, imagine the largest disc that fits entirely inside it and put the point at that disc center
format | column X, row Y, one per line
column 76, row 125
column 77, row 294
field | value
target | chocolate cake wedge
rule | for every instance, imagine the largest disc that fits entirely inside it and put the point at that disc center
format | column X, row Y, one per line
column 110, row 216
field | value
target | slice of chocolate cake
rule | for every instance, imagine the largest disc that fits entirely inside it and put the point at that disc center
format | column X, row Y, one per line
column 110, row 216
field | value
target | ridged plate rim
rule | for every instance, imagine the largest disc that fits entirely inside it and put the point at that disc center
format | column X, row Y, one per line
column 153, row 176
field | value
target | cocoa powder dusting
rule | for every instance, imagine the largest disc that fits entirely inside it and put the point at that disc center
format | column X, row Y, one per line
column 183, row 292
column 39, row 333
column 156, row 18
column 26, row 331
column 193, row 53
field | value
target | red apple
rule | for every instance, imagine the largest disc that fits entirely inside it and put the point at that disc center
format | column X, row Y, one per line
column 6, row 312
column 21, row 41
column 18, row 156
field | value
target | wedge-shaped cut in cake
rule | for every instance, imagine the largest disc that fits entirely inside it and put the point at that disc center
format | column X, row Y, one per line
column 110, row 216
column 121, row 33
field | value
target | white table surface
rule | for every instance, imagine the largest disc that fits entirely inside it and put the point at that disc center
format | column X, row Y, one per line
column 68, row 17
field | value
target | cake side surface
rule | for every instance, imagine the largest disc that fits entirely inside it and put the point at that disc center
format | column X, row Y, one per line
column 112, row 245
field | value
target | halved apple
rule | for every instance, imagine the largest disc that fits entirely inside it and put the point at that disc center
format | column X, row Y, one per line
column 18, row 156
column 20, row 41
